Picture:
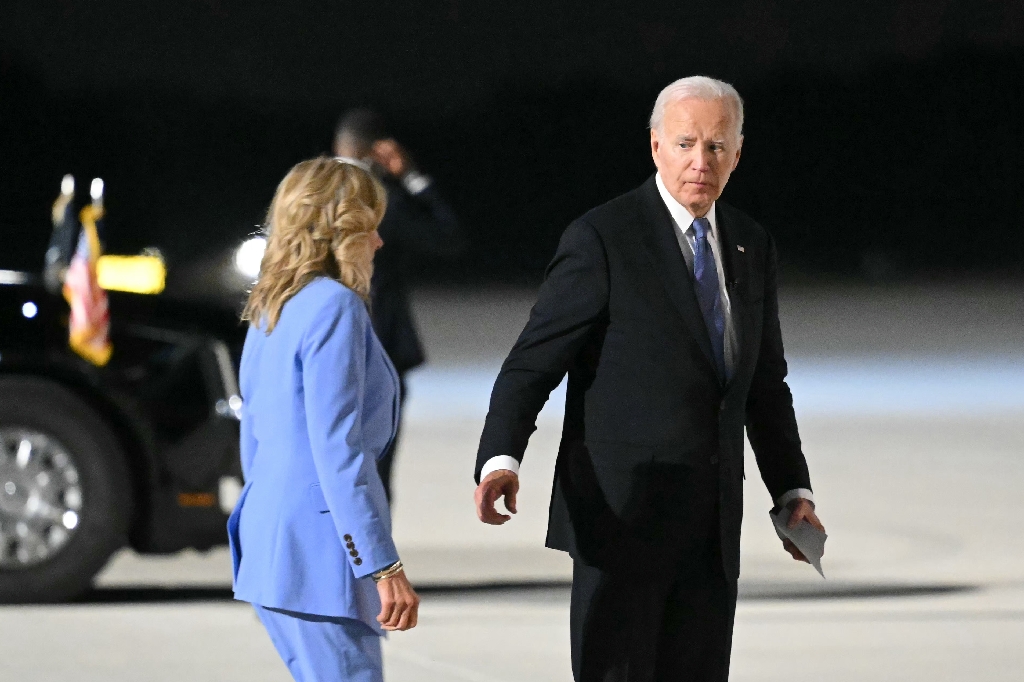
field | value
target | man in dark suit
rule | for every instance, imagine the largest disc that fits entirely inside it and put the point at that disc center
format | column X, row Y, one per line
column 661, row 306
column 417, row 222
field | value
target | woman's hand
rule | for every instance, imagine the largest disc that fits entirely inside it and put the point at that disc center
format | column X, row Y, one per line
column 400, row 604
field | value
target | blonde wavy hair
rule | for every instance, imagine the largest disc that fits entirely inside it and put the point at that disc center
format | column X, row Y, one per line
column 320, row 224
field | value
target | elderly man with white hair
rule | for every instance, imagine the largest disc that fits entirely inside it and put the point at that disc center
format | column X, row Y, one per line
column 661, row 306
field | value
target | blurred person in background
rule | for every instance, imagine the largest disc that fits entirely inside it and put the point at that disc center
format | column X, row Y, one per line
column 418, row 222
column 661, row 306
column 311, row 533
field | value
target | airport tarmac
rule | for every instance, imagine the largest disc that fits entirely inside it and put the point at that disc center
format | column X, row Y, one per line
column 910, row 400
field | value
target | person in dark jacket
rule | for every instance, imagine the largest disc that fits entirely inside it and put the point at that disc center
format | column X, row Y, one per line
column 661, row 305
column 418, row 222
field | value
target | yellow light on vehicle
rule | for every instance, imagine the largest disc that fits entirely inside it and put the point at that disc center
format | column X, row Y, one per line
column 196, row 499
column 134, row 274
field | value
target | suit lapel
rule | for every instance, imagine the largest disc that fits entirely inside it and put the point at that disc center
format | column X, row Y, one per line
column 662, row 247
column 735, row 263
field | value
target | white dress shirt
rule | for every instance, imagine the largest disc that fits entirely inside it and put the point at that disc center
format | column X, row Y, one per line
column 687, row 241
column 687, row 238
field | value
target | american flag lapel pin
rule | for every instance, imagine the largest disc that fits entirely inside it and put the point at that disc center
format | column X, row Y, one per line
column 740, row 249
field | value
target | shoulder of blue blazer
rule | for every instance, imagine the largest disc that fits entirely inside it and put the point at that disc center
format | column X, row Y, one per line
column 309, row 312
column 324, row 295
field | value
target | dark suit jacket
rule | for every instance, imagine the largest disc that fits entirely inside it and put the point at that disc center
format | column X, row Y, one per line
column 420, row 224
column 652, row 443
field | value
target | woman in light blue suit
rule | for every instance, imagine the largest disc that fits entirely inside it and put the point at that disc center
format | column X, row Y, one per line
column 311, row 534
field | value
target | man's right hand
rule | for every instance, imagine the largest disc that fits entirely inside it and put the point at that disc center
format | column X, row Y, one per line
column 392, row 157
column 500, row 483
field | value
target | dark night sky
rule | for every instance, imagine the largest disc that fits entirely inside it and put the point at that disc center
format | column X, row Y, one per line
column 528, row 113
column 446, row 54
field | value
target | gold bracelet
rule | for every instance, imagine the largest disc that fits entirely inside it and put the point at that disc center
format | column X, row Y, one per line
column 384, row 574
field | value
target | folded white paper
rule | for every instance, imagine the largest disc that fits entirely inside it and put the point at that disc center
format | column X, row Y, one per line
column 808, row 539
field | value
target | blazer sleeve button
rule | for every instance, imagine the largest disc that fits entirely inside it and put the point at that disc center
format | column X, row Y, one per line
column 348, row 538
column 357, row 561
column 354, row 553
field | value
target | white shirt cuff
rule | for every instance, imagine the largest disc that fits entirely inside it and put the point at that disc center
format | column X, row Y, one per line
column 795, row 494
column 500, row 462
column 415, row 182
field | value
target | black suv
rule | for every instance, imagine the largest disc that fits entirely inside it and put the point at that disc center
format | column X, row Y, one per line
column 142, row 452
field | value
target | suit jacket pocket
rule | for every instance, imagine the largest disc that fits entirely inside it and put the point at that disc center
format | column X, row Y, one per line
column 316, row 498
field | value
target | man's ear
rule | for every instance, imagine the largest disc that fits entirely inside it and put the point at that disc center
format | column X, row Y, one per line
column 655, row 143
column 739, row 150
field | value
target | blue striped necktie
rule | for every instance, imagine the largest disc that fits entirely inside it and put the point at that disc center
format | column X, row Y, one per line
column 705, row 275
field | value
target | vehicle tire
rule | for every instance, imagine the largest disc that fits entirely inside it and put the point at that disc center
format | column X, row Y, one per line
column 65, row 492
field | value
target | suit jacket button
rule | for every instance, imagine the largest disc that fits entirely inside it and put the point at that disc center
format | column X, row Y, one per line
column 348, row 538
column 354, row 553
column 357, row 561
column 350, row 545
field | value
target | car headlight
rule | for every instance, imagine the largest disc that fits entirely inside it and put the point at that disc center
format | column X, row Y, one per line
column 249, row 256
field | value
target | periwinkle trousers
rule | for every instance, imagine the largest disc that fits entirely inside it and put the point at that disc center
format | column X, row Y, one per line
column 324, row 648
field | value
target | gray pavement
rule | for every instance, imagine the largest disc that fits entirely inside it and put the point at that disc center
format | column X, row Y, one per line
column 911, row 401
column 521, row 636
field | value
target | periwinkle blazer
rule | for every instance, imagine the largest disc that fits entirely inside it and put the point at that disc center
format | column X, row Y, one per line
column 320, row 405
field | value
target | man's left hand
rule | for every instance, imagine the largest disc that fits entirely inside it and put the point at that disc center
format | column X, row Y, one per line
column 801, row 510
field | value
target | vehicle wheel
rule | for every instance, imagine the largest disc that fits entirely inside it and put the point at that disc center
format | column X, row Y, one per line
column 65, row 493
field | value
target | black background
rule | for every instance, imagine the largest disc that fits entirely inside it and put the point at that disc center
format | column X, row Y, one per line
column 883, row 139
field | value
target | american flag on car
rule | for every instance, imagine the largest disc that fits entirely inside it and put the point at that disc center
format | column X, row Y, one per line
column 89, row 324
